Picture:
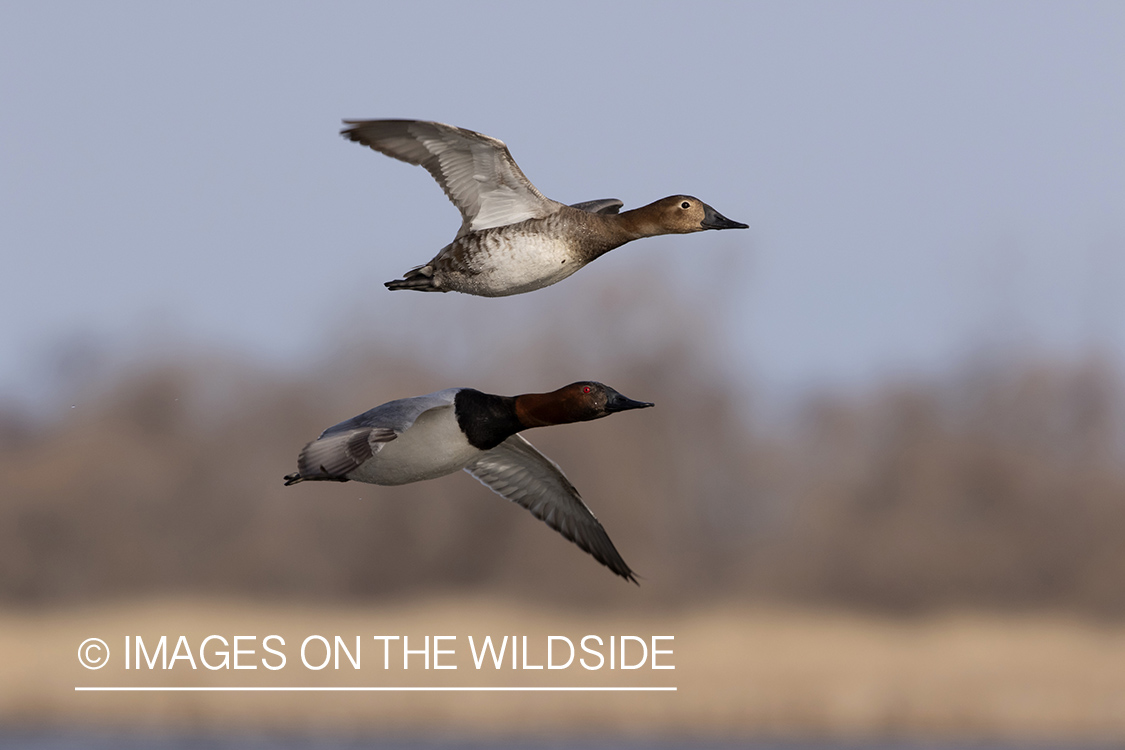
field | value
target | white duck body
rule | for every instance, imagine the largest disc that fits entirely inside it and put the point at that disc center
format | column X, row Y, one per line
column 409, row 440
column 424, row 437
column 432, row 447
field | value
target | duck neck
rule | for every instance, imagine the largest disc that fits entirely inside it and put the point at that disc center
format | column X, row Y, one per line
column 545, row 409
column 486, row 420
column 638, row 223
column 606, row 232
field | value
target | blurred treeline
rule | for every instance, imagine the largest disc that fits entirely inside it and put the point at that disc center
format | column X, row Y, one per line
column 997, row 485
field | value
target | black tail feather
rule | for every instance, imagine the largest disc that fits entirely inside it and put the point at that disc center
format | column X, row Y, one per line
column 420, row 279
column 323, row 476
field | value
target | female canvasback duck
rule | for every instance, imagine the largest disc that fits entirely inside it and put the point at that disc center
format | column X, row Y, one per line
column 513, row 239
column 460, row 428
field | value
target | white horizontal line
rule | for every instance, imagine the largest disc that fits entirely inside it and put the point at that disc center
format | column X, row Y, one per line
column 404, row 689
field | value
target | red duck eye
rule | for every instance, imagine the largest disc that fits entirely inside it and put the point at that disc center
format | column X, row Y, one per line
column 587, row 389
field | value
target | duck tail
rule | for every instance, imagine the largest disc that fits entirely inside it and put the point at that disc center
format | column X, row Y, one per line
column 323, row 476
column 420, row 279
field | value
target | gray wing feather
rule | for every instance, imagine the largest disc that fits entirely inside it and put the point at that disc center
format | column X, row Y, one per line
column 517, row 471
column 335, row 456
column 395, row 415
column 603, row 206
column 343, row 447
column 476, row 171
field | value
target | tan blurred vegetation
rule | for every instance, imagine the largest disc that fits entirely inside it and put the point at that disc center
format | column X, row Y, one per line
column 740, row 672
column 998, row 486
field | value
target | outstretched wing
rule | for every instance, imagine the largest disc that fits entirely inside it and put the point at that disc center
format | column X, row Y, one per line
column 517, row 471
column 476, row 171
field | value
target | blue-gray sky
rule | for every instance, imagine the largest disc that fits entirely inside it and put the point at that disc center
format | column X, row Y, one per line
column 921, row 179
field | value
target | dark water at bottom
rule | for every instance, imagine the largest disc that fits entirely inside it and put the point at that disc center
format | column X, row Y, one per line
column 73, row 740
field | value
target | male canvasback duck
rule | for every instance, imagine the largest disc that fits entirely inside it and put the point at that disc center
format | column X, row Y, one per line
column 460, row 428
column 513, row 239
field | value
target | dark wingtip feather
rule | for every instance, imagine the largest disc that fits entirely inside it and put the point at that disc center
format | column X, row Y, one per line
column 350, row 131
column 616, row 563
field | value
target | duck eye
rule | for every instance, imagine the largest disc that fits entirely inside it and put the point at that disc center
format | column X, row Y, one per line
column 685, row 204
column 587, row 389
